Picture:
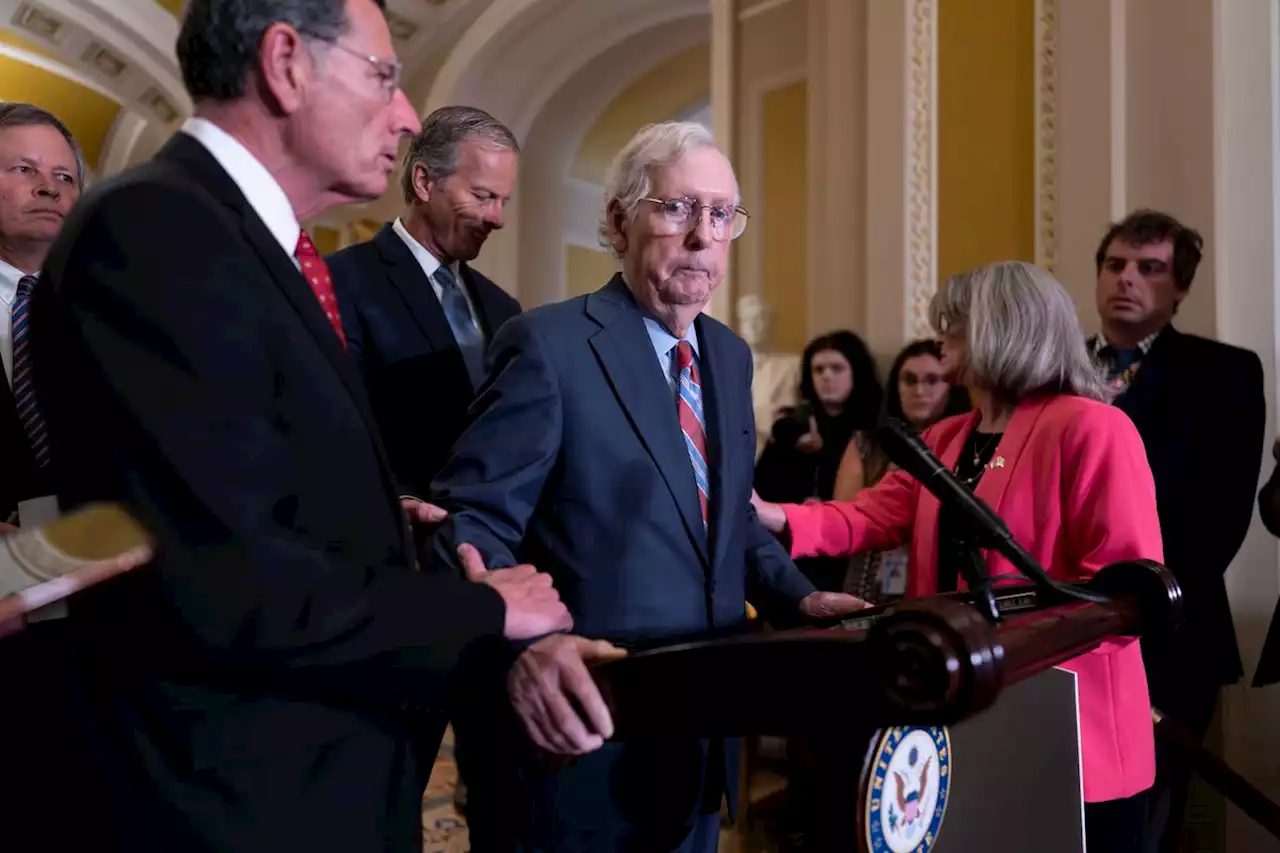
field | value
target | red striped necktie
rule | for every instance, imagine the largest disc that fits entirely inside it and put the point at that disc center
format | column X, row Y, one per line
column 689, row 407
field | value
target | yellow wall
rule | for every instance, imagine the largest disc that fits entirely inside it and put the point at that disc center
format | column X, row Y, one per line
column 173, row 7
column 783, row 214
column 986, row 133
column 586, row 270
column 327, row 240
column 88, row 114
column 12, row 39
column 660, row 95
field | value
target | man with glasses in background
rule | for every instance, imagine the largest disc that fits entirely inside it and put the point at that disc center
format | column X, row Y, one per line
column 613, row 446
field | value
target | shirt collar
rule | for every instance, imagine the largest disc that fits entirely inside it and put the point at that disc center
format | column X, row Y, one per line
column 9, row 278
column 664, row 342
column 259, row 186
column 429, row 262
column 1100, row 343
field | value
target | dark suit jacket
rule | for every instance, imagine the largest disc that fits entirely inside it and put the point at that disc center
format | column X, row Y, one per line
column 1268, row 671
column 575, row 462
column 19, row 478
column 252, row 689
column 1200, row 409
column 39, row 659
column 398, row 334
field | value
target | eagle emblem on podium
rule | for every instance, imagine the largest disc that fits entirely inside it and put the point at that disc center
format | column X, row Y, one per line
column 906, row 796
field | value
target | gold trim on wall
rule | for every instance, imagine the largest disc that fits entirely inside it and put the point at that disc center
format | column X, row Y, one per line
column 922, row 164
column 1047, row 133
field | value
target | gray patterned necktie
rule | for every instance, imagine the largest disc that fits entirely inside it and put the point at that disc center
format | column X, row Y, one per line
column 24, row 388
column 465, row 331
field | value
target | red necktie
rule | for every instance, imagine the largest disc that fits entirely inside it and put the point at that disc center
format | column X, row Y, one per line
column 316, row 272
column 689, row 407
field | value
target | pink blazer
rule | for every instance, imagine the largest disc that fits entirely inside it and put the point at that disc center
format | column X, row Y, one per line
column 1070, row 478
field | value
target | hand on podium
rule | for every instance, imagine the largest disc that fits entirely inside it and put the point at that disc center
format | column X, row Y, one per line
column 548, row 680
column 830, row 605
column 45, row 564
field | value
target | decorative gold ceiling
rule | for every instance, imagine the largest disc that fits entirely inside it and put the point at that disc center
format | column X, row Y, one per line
column 87, row 113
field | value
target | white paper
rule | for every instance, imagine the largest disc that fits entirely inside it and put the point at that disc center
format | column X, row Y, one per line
column 33, row 513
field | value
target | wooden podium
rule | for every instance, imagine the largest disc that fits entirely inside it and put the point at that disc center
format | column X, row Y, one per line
column 941, row 731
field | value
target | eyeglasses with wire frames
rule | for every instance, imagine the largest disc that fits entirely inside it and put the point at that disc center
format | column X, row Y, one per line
column 681, row 215
column 388, row 70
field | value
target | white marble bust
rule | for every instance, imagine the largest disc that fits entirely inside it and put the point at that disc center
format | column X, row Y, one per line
column 777, row 374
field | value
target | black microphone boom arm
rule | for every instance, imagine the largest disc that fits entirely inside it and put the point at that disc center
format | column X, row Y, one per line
column 904, row 446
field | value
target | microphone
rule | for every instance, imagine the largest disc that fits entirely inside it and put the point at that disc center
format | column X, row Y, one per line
column 906, row 449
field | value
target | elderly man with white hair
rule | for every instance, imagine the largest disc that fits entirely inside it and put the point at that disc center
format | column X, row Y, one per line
column 613, row 447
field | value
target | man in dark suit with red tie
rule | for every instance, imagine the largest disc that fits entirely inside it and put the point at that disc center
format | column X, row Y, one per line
column 257, row 688
column 613, row 446
column 418, row 316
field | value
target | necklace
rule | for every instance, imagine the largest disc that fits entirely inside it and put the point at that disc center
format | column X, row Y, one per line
column 979, row 452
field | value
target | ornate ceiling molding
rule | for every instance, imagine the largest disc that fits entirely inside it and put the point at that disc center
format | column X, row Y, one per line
column 521, row 52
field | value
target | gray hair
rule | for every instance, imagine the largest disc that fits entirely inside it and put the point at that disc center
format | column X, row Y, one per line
column 15, row 114
column 654, row 146
column 436, row 145
column 218, row 43
column 1022, row 331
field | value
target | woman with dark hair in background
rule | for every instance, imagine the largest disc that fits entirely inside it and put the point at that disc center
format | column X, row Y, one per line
column 918, row 393
column 840, row 397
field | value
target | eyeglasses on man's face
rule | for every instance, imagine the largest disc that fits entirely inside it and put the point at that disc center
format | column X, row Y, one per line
column 681, row 215
column 387, row 71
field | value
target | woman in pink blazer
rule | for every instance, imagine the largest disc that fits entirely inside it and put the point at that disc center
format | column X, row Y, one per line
column 1066, row 471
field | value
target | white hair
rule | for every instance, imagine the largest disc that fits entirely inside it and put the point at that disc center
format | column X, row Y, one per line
column 1022, row 332
column 655, row 145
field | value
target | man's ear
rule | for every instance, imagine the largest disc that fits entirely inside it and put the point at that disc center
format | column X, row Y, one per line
column 617, row 219
column 421, row 182
column 285, row 67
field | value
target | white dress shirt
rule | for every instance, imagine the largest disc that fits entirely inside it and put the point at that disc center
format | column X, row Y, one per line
column 430, row 264
column 9, row 278
column 259, row 186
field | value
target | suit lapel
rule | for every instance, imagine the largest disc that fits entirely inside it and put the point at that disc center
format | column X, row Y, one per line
column 626, row 354
column 19, row 470
column 415, row 289
column 303, row 300
column 991, row 488
column 486, row 312
column 1151, row 375
column 1008, row 453
column 718, row 380
column 196, row 160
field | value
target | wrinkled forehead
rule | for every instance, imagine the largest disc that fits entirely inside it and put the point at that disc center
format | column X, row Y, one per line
column 704, row 174
column 41, row 143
